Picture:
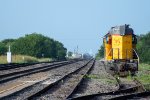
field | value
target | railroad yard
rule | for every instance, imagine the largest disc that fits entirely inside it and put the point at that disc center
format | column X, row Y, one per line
column 74, row 50
column 72, row 80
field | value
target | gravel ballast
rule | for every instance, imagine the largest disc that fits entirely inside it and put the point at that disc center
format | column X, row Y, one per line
column 97, row 81
column 52, row 75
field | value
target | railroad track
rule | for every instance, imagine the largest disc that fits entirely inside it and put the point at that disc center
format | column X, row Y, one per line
column 11, row 76
column 124, row 92
column 64, row 87
column 134, row 96
column 78, row 88
column 19, row 69
column 123, row 95
column 32, row 87
column 15, row 65
column 136, row 92
column 19, row 65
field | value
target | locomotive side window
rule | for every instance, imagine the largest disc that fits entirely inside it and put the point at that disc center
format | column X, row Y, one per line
column 107, row 39
column 110, row 41
column 134, row 39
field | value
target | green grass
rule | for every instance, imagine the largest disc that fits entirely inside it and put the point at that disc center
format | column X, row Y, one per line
column 101, row 78
column 143, row 66
column 143, row 75
column 44, row 59
column 23, row 59
column 110, row 81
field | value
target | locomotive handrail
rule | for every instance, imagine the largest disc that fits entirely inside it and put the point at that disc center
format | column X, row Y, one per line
column 126, row 53
column 109, row 52
column 136, row 55
column 112, row 53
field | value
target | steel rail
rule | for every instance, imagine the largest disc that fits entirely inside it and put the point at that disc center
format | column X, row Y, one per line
column 18, row 65
column 55, row 83
column 15, row 65
column 132, row 96
column 121, row 90
column 25, row 70
column 32, row 71
column 87, row 97
column 34, row 83
column 74, row 90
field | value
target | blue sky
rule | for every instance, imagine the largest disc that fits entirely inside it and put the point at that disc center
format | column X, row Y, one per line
column 72, row 22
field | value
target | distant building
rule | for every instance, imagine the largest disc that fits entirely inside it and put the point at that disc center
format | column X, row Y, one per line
column 76, row 55
column 87, row 56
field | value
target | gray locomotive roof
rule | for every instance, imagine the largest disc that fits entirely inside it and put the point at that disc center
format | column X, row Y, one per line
column 121, row 30
column 118, row 30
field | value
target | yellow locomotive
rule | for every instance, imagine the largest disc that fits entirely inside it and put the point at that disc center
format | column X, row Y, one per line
column 120, row 50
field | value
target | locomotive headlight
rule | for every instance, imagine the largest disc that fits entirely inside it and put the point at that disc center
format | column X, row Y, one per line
column 113, row 61
column 131, row 60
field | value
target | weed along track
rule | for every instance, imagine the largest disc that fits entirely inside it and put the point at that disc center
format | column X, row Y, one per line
column 125, row 88
column 95, row 82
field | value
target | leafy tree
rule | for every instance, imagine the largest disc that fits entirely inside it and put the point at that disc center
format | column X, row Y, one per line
column 61, row 50
column 39, row 46
column 8, row 41
column 100, row 53
column 70, row 53
column 3, row 48
column 143, row 47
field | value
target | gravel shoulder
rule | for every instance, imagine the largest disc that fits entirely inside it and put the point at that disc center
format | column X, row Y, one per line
column 97, row 81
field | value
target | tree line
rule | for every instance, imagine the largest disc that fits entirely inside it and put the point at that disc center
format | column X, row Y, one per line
column 35, row 45
column 142, row 48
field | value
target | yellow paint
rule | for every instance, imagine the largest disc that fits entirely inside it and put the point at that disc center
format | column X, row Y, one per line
column 108, row 53
column 117, row 46
column 120, row 47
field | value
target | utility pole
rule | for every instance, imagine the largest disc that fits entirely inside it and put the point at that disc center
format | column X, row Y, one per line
column 9, row 58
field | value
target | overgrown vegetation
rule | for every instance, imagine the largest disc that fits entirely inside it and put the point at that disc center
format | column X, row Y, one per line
column 23, row 59
column 35, row 45
column 143, row 75
column 101, row 78
column 100, row 53
column 3, row 48
column 143, row 48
